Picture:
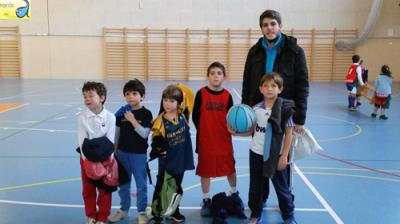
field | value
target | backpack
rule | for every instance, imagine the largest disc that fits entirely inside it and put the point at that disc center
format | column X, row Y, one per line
column 222, row 206
column 168, row 199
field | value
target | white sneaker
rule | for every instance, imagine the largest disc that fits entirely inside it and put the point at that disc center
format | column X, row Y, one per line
column 142, row 218
column 90, row 221
column 100, row 222
column 118, row 216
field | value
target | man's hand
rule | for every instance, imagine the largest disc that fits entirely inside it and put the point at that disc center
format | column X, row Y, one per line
column 282, row 163
column 299, row 128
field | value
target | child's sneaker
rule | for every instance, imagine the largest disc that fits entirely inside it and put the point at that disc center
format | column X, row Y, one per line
column 142, row 218
column 353, row 108
column 90, row 221
column 254, row 220
column 373, row 115
column 118, row 216
column 206, row 207
column 383, row 117
column 155, row 220
column 177, row 217
column 290, row 220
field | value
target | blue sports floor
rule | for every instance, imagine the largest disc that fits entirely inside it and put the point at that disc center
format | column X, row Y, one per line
column 355, row 180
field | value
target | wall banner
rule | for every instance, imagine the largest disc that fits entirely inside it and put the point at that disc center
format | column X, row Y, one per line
column 15, row 9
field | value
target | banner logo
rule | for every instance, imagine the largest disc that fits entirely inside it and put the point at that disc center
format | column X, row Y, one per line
column 15, row 9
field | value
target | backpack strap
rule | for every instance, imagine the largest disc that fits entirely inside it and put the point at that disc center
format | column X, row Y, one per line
column 148, row 172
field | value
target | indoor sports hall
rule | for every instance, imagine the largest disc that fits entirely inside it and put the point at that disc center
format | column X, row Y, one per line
column 50, row 48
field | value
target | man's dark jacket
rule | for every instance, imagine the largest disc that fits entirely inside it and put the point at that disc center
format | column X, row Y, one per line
column 290, row 63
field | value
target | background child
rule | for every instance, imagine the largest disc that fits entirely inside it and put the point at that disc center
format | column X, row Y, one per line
column 383, row 90
column 268, row 158
column 132, row 131
column 95, row 122
column 354, row 79
column 171, row 142
column 213, row 141
column 362, row 89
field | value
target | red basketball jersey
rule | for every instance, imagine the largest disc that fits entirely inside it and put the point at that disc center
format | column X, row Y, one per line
column 351, row 76
column 213, row 136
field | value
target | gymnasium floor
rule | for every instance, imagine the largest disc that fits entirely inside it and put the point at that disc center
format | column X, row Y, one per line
column 355, row 180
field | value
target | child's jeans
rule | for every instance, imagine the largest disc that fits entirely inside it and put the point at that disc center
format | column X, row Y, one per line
column 134, row 164
column 90, row 198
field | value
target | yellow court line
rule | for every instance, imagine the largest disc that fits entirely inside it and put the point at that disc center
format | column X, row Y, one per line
column 39, row 184
column 358, row 127
column 190, row 187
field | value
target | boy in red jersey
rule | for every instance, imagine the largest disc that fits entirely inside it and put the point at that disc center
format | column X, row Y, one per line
column 213, row 141
column 353, row 81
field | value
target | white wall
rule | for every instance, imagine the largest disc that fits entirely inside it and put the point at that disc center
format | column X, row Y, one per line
column 87, row 17
column 74, row 27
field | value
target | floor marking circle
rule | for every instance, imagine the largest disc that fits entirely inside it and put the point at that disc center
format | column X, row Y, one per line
column 358, row 129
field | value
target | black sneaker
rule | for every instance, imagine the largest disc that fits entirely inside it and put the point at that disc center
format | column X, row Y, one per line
column 383, row 117
column 206, row 207
column 155, row 220
column 373, row 115
column 290, row 220
column 177, row 217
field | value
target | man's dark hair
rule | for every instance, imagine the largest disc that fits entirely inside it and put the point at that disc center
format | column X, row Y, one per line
column 99, row 87
column 134, row 85
column 271, row 14
column 216, row 64
column 356, row 58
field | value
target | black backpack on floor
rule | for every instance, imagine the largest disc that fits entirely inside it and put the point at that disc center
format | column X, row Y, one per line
column 222, row 206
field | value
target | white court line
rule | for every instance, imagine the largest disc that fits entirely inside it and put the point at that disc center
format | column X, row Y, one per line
column 29, row 94
column 237, row 93
column 70, row 104
column 38, row 129
column 27, row 122
column 73, row 131
column 318, row 195
column 134, row 207
column 59, row 118
column 20, row 122
column 312, row 188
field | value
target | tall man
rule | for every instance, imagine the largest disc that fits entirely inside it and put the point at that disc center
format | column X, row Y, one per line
column 279, row 53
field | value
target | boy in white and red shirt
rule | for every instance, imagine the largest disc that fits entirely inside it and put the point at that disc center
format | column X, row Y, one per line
column 95, row 122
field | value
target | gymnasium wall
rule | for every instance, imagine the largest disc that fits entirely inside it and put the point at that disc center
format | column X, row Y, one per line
column 63, row 39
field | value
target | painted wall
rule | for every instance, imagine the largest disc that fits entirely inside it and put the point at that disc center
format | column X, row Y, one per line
column 63, row 38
